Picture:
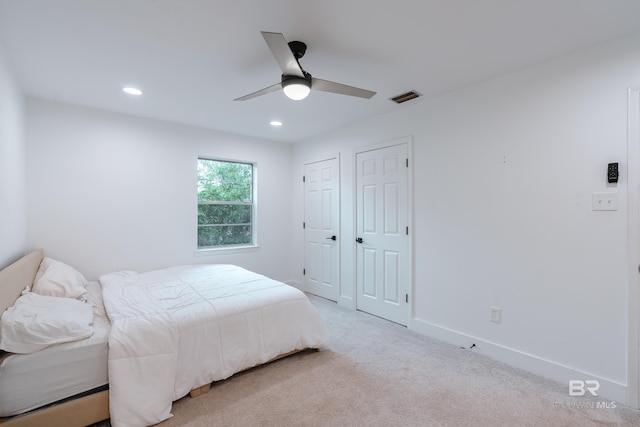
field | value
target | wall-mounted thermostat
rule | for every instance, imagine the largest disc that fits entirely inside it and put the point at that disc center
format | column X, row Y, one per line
column 612, row 173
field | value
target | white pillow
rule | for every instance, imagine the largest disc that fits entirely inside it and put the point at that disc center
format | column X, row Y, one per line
column 35, row 321
column 57, row 279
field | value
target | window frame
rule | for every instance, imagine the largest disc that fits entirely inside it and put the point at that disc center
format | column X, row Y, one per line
column 231, row 248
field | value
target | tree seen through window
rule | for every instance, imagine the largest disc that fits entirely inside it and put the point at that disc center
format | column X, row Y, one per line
column 225, row 203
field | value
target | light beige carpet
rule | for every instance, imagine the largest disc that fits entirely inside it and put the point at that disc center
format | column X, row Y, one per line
column 378, row 373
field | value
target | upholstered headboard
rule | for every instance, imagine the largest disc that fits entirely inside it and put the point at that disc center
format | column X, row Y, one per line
column 17, row 276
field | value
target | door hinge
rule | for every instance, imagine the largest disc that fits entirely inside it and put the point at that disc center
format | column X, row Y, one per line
column 406, row 297
column 304, row 178
column 304, row 225
column 407, row 231
column 304, row 271
column 407, row 163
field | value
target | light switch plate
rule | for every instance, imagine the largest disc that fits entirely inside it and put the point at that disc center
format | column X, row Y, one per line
column 605, row 201
column 495, row 314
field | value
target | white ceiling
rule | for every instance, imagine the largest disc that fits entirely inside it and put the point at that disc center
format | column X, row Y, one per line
column 193, row 57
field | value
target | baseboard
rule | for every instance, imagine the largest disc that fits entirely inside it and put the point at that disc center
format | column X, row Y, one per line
column 346, row 302
column 342, row 300
column 609, row 389
column 295, row 284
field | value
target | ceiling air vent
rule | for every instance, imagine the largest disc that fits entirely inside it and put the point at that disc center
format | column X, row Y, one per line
column 405, row 97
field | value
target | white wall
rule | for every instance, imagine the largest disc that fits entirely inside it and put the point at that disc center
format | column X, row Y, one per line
column 12, row 168
column 113, row 192
column 503, row 176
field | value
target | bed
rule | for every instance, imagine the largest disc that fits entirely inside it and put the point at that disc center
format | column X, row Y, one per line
column 83, row 409
column 170, row 332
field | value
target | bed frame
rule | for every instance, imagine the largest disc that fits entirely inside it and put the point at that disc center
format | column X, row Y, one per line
column 73, row 412
column 79, row 412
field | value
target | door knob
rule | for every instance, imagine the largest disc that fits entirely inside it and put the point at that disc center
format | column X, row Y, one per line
column 359, row 240
column 331, row 238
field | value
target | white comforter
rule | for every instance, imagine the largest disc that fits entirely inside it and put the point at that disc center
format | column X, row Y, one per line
column 176, row 329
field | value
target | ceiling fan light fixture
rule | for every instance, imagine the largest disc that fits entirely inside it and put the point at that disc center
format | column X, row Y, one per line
column 296, row 88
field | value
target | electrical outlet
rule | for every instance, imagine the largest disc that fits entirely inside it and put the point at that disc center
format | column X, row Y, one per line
column 604, row 202
column 495, row 314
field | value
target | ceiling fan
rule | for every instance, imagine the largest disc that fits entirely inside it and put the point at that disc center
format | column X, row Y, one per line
column 296, row 82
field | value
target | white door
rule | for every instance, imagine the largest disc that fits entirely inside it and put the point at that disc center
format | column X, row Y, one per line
column 321, row 226
column 382, row 242
column 633, row 180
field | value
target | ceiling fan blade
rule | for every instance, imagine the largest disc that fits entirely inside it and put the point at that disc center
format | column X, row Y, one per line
column 282, row 52
column 264, row 91
column 327, row 86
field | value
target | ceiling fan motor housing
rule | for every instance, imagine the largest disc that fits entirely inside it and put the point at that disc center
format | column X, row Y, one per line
column 298, row 48
column 288, row 80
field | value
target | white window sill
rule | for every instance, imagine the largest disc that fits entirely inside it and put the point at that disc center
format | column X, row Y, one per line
column 226, row 250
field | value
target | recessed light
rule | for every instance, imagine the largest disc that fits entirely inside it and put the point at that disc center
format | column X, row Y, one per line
column 276, row 123
column 132, row 91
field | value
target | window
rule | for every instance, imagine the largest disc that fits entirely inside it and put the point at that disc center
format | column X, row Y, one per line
column 225, row 203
